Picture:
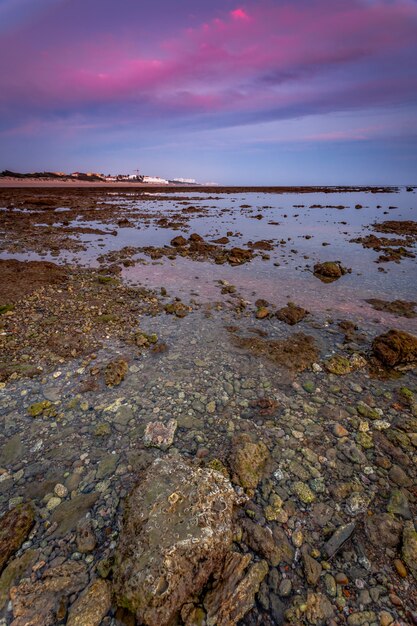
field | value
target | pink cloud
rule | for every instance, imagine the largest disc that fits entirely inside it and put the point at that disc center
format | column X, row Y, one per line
column 279, row 57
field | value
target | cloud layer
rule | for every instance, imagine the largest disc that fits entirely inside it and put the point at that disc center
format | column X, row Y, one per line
column 229, row 65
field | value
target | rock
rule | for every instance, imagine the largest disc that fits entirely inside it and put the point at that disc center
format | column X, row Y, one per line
column 285, row 588
column 262, row 312
column 12, row 450
column 44, row 602
column 303, row 492
column 60, row 490
column 338, row 538
column 13, row 572
column 68, row 514
column 272, row 545
column 107, row 466
column 383, row 530
column 291, row 314
column 312, row 568
column 86, row 538
column 15, row 526
column 396, row 348
column 159, row 435
column 340, row 431
column 233, row 594
column 398, row 476
column 400, row 567
column 341, row 365
column 385, row 618
column 316, row 609
column 115, row 372
column 409, row 550
column 248, row 461
column 329, row 271
column 179, row 241
column 398, row 504
column 360, row 618
column 90, row 608
column 177, row 530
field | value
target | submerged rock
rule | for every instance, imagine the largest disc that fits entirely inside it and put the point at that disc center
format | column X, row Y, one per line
column 15, row 526
column 90, row 608
column 248, row 460
column 44, row 602
column 340, row 365
column 409, row 551
column 291, row 314
column 396, row 348
column 233, row 594
column 329, row 271
column 115, row 372
column 160, row 435
column 177, row 530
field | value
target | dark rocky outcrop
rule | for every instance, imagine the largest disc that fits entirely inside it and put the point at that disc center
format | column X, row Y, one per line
column 396, row 348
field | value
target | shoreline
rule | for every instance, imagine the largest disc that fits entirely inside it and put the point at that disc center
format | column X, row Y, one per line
column 33, row 183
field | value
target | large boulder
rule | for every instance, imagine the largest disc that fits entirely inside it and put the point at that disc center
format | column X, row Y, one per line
column 178, row 527
column 396, row 348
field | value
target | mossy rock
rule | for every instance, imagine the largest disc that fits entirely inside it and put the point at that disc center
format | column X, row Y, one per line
column 44, row 408
column 6, row 308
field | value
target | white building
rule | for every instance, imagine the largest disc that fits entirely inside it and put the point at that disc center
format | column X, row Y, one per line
column 155, row 180
column 188, row 181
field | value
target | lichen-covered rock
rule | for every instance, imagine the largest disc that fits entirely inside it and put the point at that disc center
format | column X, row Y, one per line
column 160, row 435
column 409, row 551
column 233, row 594
column 291, row 314
column 15, row 526
column 178, row 527
column 396, row 348
column 329, row 271
column 341, row 365
column 44, row 602
column 248, row 460
column 90, row 607
column 115, row 372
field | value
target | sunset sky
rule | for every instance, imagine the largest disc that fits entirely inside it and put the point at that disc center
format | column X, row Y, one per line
column 262, row 92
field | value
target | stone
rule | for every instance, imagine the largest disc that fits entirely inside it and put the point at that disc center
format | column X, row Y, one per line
column 409, row 550
column 178, row 241
column 13, row 572
column 248, row 460
column 92, row 605
column 159, row 435
column 400, row 567
column 285, row 588
column 60, row 490
column 396, row 348
column 12, row 450
column 316, row 609
column 340, row 431
column 233, row 594
column 86, row 538
column 383, row 530
column 385, row 618
column 303, row 492
column 312, row 568
column 272, row 545
column 329, row 271
column 338, row 538
column 262, row 312
column 360, row 618
column 115, row 372
column 107, row 466
column 44, row 602
column 291, row 314
column 69, row 512
column 15, row 526
column 177, row 529
column 340, row 365
column 398, row 476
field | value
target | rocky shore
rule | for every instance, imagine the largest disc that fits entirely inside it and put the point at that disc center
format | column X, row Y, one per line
column 167, row 460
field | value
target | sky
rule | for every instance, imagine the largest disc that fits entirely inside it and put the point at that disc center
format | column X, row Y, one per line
column 261, row 92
